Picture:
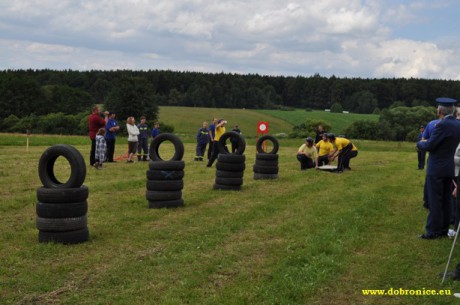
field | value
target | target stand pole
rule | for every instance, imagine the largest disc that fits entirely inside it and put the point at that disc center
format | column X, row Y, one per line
column 27, row 140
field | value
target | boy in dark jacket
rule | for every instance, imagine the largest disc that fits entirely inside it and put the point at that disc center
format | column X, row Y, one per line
column 202, row 139
column 143, row 139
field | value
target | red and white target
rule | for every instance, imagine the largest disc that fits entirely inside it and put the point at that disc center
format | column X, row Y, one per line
column 262, row 127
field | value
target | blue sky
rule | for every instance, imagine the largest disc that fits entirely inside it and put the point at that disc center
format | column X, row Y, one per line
column 353, row 38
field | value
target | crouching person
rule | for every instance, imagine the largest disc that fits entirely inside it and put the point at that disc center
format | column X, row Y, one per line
column 307, row 155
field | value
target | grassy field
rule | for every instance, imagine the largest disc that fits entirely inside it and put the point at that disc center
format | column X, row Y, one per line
column 339, row 121
column 306, row 238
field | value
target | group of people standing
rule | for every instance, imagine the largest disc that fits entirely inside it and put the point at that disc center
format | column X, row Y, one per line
column 103, row 134
column 441, row 138
column 324, row 150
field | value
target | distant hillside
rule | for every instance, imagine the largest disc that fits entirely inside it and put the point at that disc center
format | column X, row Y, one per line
column 339, row 121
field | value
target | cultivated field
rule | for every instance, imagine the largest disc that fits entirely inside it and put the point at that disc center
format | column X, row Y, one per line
column 306, row 238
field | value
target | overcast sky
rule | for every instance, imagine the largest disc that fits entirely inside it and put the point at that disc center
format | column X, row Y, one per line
column 346, row 38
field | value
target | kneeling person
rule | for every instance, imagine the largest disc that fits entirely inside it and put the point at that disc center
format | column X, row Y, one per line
column 307, row 155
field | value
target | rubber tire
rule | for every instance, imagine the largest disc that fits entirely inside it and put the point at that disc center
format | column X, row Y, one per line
column 230, row 134
column 229, row 181
column 231, row 158
column 61, row 224
column 155, row 145
column 231, row 167
column 165, row 185
column 62, row 195
column 61, row 210
column 226, row 187
column 258, row 176
column 154, row 174
column 69, row 237
column 261, row 156
column 167, row 165
column 163, row 195
column 265, row 169
column 262, row 139
column 166, row 204
column 266, row 162
column 77, row 167
column 227, row 174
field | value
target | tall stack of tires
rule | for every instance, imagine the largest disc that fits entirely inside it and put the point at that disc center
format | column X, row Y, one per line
column 266, row 166
column 62, row 206
column 165, row 177
column 230, row 166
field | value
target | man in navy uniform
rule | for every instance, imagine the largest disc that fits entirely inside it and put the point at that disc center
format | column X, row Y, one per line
column 440, row 170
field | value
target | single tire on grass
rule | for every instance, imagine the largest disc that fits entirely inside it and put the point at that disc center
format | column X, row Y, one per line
column 62, row 195
column 61, row 210
column 166, row 204
column 69, row 237
column 154, row 174
column 163, row 195
column 270, row 138
column 61, row 224
column 165, row 185
column 75, row 159
column 167, row 165
column 155, row 145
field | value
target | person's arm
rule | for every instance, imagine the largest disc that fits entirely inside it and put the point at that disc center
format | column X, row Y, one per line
column 435, row 139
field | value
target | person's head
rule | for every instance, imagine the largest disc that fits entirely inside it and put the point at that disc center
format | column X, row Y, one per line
column 111, row 114
column 320, row 127
column 331, row 137
column 214, row 120
column 143, row 119
column 101, row 131
column 458, row 113
column 422, row 128
column 205, row 124
column 131, row 120
column 95, row 110
column 324, row 137
column 235, row 127
column 222, row 121
column 309, row 142
column 446, row 106
column 156, row 125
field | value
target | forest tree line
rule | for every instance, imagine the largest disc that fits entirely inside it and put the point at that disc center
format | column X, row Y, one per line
column 31, row 93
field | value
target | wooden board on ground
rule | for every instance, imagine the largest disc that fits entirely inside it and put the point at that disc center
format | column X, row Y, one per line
column 328, row 167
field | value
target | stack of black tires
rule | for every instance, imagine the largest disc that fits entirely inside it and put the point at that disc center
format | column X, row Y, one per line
column 62, row 207
column 165, row 177
column 230, row 166
column 266, row 166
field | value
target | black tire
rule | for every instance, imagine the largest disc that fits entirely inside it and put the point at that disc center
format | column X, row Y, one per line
column 231, row 158
column 167, row 165
column 267, row 162
column 166, row 204
column 69, row 237
column 258, row 176
column 62, row 195
column 61, row 210
column 163, row 195
column 61, row 224
column 231, row 167
column 226, row 187
column 261, row 156
column 155, row 145
column 229, row 181
column 227, row 174
column 231, row 134
column 77, row 167
column 154, row 174
column 265, row 169
column 262, row 139
column 165, row 185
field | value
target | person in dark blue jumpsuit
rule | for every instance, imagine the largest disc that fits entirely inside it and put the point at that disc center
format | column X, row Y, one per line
column 421, row 155
column 441, row 169
column 143, row 138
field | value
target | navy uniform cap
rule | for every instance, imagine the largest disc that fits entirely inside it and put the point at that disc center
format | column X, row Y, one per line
column 445, row 101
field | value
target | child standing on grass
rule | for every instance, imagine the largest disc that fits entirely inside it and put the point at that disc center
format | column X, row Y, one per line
column 202, row 139
column 101, row 148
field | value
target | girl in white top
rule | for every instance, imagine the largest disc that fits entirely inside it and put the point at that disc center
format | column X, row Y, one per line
column 133, row 132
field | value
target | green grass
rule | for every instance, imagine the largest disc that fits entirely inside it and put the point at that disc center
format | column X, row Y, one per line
column 306, row 238
column 339, row 121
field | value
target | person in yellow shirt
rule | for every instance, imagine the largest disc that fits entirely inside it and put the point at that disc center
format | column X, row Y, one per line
column 324, row 149
column 220, row 130
column 307, row 155
column 344, row 150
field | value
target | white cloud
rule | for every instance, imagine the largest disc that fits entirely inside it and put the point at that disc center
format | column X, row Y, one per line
column 345, row 38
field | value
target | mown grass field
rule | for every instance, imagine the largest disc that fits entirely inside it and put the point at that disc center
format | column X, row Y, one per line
column 306, row 238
